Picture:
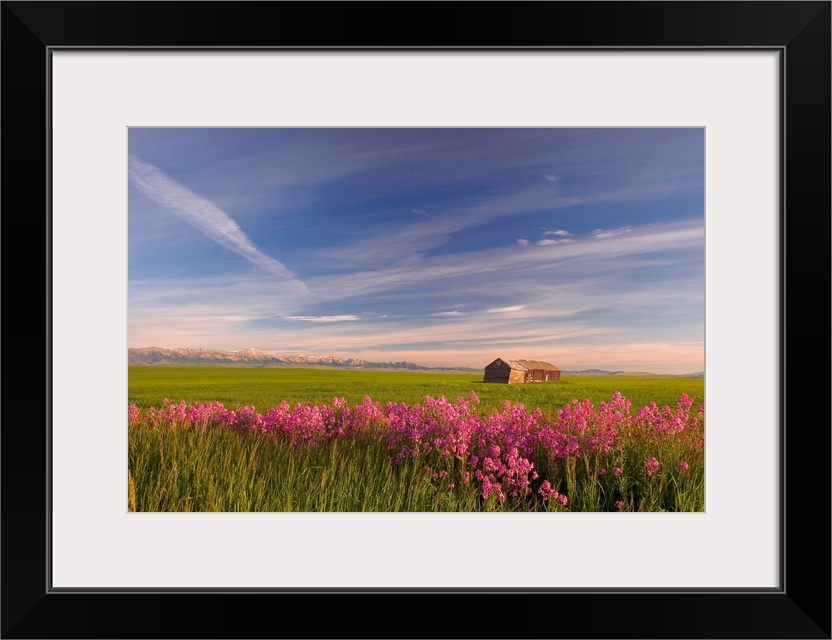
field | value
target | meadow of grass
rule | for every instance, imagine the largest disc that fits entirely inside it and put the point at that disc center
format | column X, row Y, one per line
column 264, row 388
column 309, row 440
column 215, row 469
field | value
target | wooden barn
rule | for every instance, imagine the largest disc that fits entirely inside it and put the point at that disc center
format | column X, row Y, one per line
column 519, row 371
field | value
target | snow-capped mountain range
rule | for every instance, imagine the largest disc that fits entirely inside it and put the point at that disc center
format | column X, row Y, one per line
column 255, row 358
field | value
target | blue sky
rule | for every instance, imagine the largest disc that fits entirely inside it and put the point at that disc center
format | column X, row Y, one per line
column 444, row 247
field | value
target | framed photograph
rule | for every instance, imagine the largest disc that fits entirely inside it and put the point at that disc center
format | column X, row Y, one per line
column 111, row 112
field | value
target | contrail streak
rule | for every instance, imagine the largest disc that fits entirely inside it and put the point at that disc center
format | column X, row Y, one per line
column 201, row 214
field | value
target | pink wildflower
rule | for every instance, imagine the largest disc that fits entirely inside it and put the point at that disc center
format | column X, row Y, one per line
column 619, row 505
column 616, row 471
column 683, row 466
column 652, row 466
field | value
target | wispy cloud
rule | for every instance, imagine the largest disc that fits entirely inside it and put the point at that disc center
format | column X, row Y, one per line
column 522, row 242
column 201, row 214
column 547, row 242
column 610, row 233
column 412, row 240
column 323, row 318
column 557, row 232
column 516, row 307
column 508, row 269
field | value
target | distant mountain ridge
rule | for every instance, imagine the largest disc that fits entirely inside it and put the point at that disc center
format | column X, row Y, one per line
column 157, row 356
column 632, row 374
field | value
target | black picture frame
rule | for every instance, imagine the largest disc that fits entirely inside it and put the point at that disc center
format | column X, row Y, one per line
column 799, row 31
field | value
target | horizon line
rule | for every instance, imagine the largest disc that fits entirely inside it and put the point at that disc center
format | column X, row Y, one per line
column 324, row 354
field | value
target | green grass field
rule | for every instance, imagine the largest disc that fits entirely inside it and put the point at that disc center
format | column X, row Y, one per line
column 265, row 388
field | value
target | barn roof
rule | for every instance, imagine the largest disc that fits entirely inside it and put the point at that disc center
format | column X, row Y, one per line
column 525, row 365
